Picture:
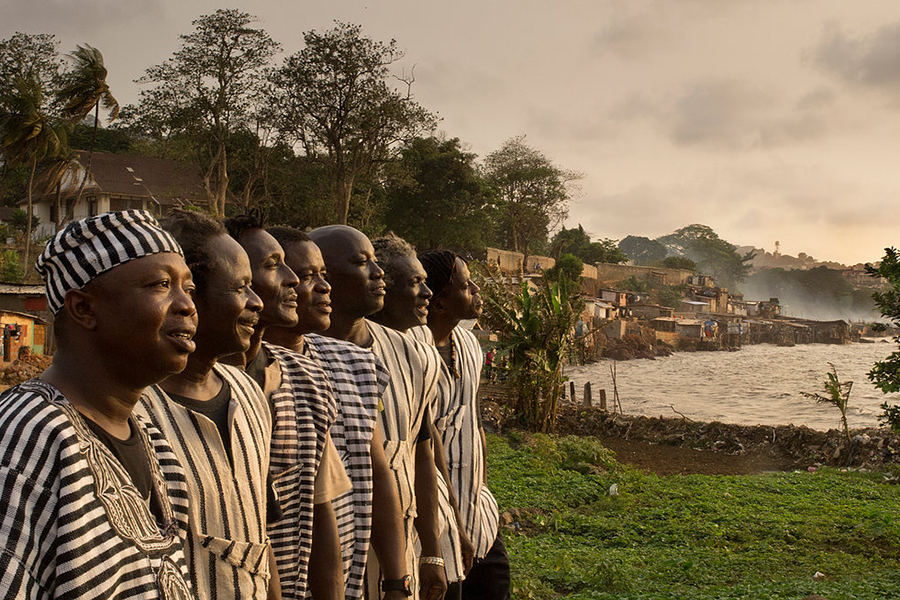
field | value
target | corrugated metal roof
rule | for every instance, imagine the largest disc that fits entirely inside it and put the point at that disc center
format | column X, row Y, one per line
column 12, row 288
column 22, row 314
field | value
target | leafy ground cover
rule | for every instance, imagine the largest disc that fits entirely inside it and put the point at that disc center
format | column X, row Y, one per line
column 570, row 533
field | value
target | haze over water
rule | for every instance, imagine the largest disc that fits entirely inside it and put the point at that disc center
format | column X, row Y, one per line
column 758, row 385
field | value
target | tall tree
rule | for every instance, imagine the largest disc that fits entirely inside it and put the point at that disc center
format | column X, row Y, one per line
column 31, row 57
column 29, row 135
column 534, row 193
column 642, row 250
column 578, row 243
column 337, row 103
column 84, row 90
column 885, row 374
column 437, row 178
column 712, row 254
column 207, row 90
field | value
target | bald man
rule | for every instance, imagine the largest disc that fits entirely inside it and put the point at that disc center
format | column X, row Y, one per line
column 358, row 291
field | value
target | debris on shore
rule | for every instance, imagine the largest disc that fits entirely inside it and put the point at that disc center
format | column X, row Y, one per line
column 800, row 445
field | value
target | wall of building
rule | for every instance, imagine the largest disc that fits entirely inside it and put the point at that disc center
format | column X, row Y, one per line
column 536, row 264
column 614, row 273
column 508, row 262
column 21, row 331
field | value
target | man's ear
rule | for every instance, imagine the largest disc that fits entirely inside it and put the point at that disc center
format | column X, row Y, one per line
column 79, row 307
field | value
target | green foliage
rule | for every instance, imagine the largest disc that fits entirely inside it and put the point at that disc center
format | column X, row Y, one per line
column 678, row 262
column 633, row 284
column 577, row 242
column 11, row 270
column 642, row 250
column 19, row 220
column 660, row 293
column 533, row 193
column 670, row 295
column 701, row 537
column 567, row 266
column 890, row 416
column 885, row 374
column 534, row 333
column 838, row 395
column 30, row 56
column 435, row 177
column 29, row 134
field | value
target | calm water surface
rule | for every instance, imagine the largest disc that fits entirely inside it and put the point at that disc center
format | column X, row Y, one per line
column 758, row 385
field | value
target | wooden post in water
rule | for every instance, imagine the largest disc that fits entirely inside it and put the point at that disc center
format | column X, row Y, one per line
column 587, row 394
column 572, row 391
column 603, row 399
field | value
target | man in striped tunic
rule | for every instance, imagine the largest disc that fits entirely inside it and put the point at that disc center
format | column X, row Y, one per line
column 94, row 502
column 369, row 513
column 305, row 466
column 456, row 297
column 359, row 292
column 217, row 421
column 406, row 303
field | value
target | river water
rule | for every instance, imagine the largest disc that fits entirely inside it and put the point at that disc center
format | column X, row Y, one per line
column 757, row 385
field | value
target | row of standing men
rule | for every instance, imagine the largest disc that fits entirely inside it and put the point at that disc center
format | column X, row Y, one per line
column 236, row 411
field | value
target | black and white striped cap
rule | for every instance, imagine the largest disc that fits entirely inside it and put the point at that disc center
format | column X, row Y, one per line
column 84, row 249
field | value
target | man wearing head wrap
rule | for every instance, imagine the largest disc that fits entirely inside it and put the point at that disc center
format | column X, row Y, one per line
column 95, row 503
column 456, row 298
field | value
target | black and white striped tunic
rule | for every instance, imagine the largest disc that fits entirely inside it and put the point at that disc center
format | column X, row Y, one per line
column 460, row 432
column 405, row 403
column 434, row 370
column 73, row 524
column 304, row 410
column 358, row 379
column 227, row 546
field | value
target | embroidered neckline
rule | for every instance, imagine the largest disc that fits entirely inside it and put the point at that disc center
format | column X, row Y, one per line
column 128, row 513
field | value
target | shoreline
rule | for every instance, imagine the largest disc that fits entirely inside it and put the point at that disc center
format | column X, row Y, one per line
column 674, row 445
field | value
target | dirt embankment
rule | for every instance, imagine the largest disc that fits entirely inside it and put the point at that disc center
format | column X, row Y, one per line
column 745, row 448
column 680, row 445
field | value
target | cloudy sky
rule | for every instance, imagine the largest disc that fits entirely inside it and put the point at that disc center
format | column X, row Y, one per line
column 766, row 120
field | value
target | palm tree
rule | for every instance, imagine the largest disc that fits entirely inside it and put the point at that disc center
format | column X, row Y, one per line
column 84, row 90
column 29, row 135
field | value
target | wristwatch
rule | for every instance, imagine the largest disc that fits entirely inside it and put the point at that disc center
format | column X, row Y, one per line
column 397, row 585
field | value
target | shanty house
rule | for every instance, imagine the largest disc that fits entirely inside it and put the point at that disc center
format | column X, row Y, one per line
column 20, row 330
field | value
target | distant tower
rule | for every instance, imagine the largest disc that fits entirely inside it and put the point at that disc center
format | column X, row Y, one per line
column 777, row 248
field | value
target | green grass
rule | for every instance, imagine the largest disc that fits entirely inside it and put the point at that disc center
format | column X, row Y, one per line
column 711, row 537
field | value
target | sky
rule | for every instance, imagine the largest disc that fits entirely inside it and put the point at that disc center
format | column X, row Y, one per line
column 763, row 119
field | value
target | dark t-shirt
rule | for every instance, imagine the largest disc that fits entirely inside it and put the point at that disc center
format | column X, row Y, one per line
column 133, row 456
column 256, row 368
column 216, row 410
